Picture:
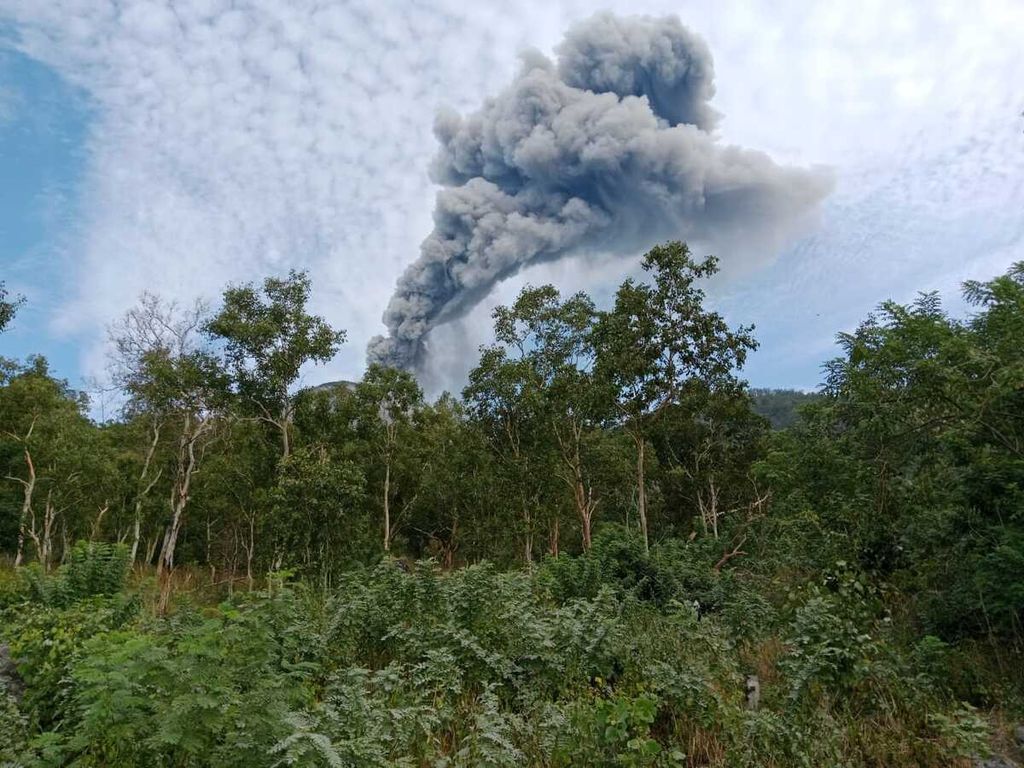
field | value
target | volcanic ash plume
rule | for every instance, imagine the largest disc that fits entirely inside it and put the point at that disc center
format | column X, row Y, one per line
column 608, row 149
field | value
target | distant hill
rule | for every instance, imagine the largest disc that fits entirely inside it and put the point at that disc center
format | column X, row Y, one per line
column 781, row 406
column 328, row 386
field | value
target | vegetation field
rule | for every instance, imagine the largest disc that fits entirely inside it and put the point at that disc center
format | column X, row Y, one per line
column 600, row 554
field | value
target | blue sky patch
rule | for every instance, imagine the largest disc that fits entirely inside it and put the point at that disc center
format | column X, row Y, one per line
column 43, row 128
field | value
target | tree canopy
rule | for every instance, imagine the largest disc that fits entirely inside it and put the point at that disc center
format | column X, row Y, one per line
column 599, row 553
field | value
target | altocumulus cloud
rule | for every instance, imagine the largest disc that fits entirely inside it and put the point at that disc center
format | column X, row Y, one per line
column 235, row 138
column 232, row 138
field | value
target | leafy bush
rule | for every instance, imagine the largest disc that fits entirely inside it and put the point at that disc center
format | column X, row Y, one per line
column 210, row 690
column 13, row 729
column 92, row 569
column 47, row 642
column 410, row 667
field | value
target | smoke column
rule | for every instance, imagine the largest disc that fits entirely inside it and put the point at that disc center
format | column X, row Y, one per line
column 610, row 148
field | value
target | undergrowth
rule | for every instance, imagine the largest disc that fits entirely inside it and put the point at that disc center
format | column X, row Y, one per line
column 617, row 658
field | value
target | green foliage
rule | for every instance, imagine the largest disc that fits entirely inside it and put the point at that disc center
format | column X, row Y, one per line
column 672, row 573
column 864, row 563
column 13, row 730
column 659, row 339
column 47, row 641
column 92, row 568
column 8, row 307
column 50, row 618
column 13, row 588
column 830, row 647
column 782, row 407
column 313, row 506
column 964, row 729
column 50, row 456
column 617, row 731
column 911, row 466
column 209, row 690
column 476, row 667
column 267, row 339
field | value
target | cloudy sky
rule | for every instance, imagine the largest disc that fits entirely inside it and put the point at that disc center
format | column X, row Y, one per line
column 177, row 145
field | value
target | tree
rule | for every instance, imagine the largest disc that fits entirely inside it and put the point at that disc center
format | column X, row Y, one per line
column 505, row 401
column 314, row 502
column 267, row 339
column 234, row 498
column 912, row 462
column 454, row 507
column 387, row 400
column 176, row 383
column 49, row 450
column 8, row 307
column 659, row 343
column 707, row 445
column 549, row 342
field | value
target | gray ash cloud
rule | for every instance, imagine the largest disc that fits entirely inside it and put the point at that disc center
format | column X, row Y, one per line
column 608, row 149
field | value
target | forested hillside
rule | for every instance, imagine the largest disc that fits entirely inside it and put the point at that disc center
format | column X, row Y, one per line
column 780, row 406
column 600, row 553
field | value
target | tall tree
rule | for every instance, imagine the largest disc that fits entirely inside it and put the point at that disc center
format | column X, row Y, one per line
column 549, row 345
column 171, row 378
column 659, row 342
column 505, row 400
column 47, row 440
column 387, row 400
column 268, row 336
column 455, row 507
column 910, row 466
column 315, row 501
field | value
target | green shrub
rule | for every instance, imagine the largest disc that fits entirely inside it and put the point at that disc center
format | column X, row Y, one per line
column 210, row 690
column 480, row 667
column 47, row 641
column 92, row 568
column 13, row 730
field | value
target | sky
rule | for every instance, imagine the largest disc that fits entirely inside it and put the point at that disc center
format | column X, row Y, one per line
column 179, row 145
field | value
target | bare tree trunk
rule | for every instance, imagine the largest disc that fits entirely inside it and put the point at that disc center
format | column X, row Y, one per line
column 528, row 538
column 34, row 535
column 451, row 546
column 582, row 496
column 141, row 497
column 585, row 506
column 707, row 504
column 553, row 537
column 387, row 506
column 151, row 547
column 587, row 515
column 641, row 490
column 136, row 533
column 209, row 549
column 179, row 500
column 250, row 548
column 187, row 463
column 43, row 539
column 98, row 522
column 163, row 550
column 28, row 487
column 286, row 420
column 713, row 506
column 65, row 545
column 19, row 557
column 49, row 517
